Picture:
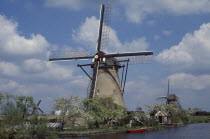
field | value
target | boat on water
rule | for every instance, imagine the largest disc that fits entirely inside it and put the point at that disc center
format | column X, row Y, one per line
column 141, row 130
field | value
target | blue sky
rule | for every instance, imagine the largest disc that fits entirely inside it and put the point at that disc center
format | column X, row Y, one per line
column 177, row 31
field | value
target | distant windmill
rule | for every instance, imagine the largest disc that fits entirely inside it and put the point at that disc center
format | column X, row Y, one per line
column 105, row 80
column 170, row 98
column 36, row 108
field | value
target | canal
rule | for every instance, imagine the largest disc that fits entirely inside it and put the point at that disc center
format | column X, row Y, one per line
column 192, row 131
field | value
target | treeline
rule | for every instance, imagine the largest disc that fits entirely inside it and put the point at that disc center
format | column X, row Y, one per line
column 16, row 118
column 91, row 113
column 19, row 118
column 201, row 113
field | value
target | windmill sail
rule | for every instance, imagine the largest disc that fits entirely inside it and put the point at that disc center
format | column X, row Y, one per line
column 106, row 26
column 170, row 98
column 105, row 80
column 103, row 33
column 38, row 103
column 134, row 58
column 98, row 47
column 36, row 108
column 129, row 54
column 102, row 38
column 69, row 55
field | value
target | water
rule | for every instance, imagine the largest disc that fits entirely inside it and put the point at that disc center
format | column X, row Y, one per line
column 192, row 131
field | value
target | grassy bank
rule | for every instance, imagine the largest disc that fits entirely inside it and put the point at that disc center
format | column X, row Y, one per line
column 102, row 129
column 80, row 131
column 199, row 119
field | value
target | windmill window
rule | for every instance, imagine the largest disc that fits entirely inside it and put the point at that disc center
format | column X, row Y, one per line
column 97, row 92
column 114, row 92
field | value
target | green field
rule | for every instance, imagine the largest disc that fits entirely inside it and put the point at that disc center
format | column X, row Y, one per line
column 199, row 119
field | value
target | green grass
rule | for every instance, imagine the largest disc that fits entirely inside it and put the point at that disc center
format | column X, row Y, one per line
column 158, row 128
column 101, row 129
column 199, row 119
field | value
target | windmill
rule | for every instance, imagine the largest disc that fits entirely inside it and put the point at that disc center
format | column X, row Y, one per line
column 105, row 81
column 170, row 98
column 36, row 108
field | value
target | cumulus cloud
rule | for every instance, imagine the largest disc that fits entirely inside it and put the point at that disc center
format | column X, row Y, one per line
column 9, row 69
column 10, row 86
column 46, row 70
column 15, row 46
column 166, row 32
column 189, row 81
column 156, row 37
column 24, row 69
column 70, row 4
column 137, row 10
column 188, row 87
column 11, row 43
column 87, row 35
column 142, row 91
column 192, row 53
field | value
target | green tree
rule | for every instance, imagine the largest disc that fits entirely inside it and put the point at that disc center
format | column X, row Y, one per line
column 6, row 104
column 177, row 114
column 104, row 110
column 17, row 111
column 25, row 105
column 70, row 109
column 13, row 118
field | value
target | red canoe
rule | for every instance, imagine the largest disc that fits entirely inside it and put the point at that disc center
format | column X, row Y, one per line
column 142, row 130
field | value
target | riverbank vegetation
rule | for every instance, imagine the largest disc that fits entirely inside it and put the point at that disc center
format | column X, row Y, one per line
column 74, row 115
column 199, row 119
column 16, row 120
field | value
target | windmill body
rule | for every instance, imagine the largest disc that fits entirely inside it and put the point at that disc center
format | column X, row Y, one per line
column 105, row 81
column 170, row 98
column 108, row 83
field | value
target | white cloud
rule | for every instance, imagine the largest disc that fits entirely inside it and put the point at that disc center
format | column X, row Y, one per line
column 22, row 60
column 142, row 92
column 190, row 82
column 9, row 69
column 18, row 47
column 71, row 4
column 189, row 88
column 87, row 35
column 87, row 32
column 156, row 37
column 137, row 10
column 191, row 53
column 47, row 70
column 10, row 86
column 166, row 32
column 24, row 71
column 139, row 44
column 11, row 43
column 151, row 22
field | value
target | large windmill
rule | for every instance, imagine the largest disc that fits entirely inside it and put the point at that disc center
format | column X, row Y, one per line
column 170, row 98
column 105, row 80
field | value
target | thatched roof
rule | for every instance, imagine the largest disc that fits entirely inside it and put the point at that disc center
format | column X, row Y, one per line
column 161, row 113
